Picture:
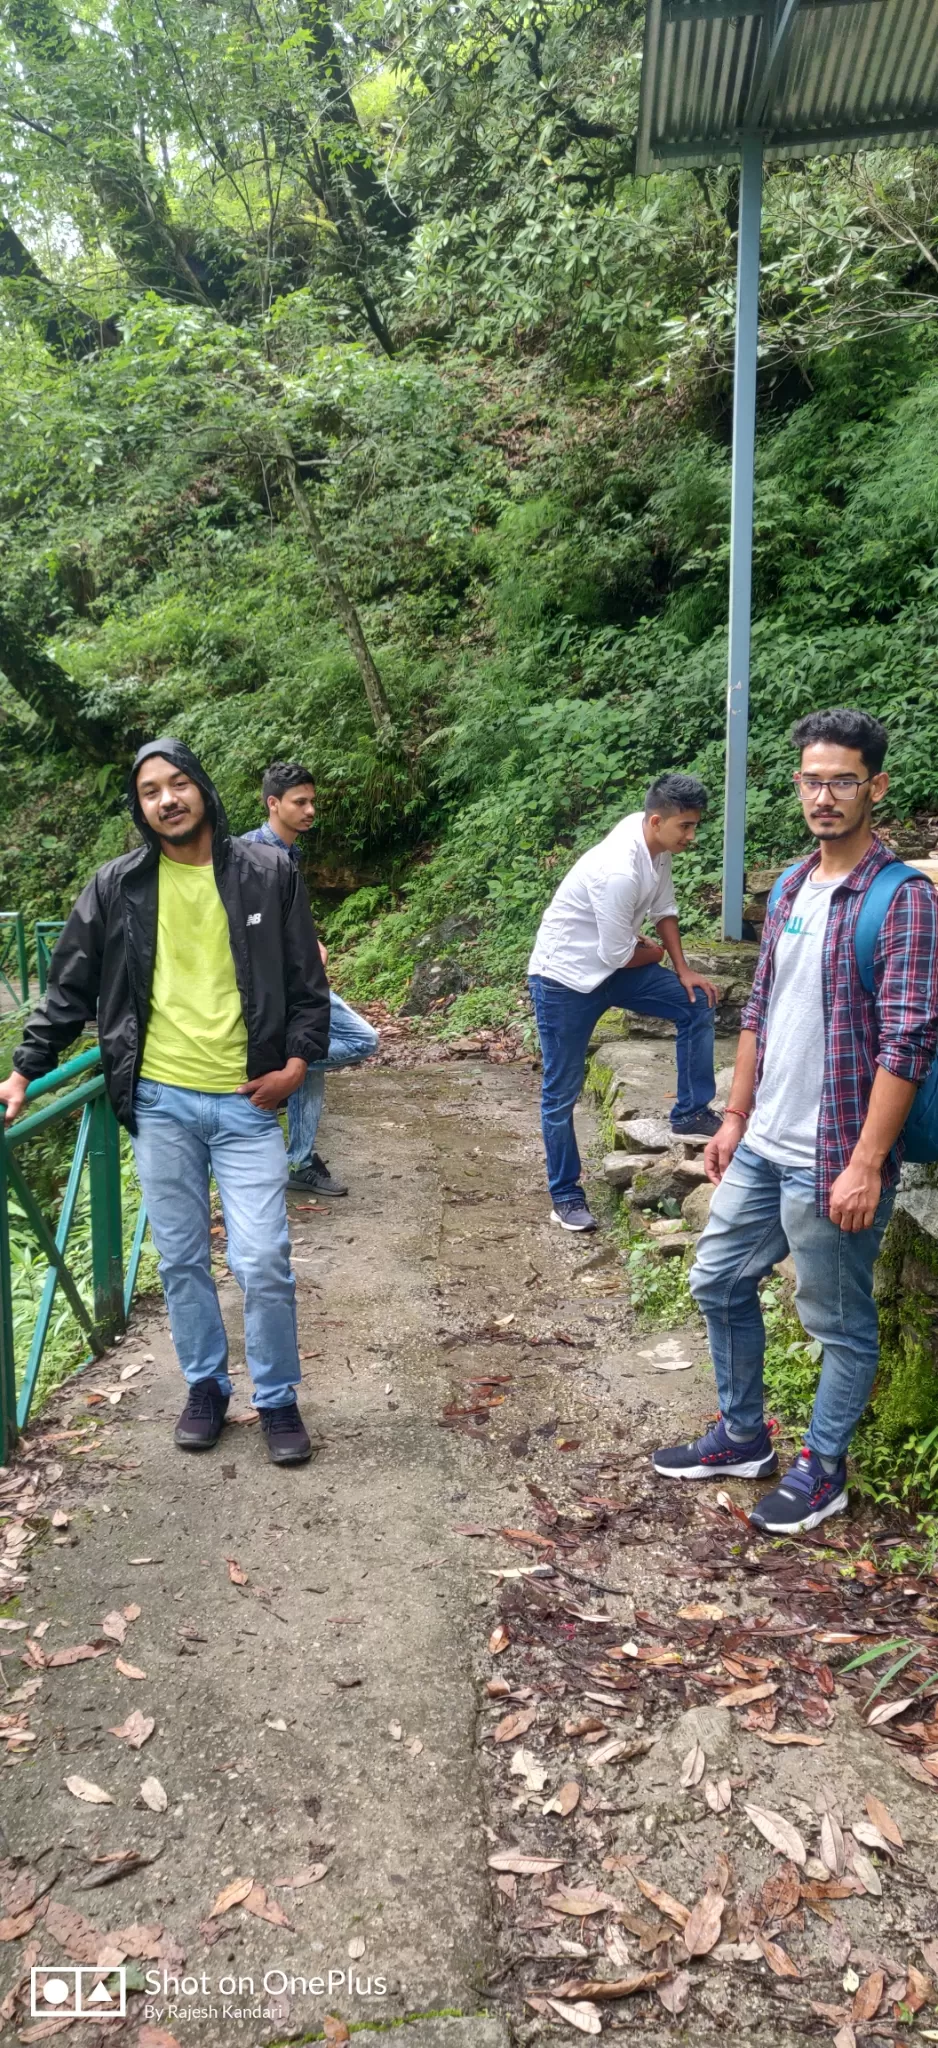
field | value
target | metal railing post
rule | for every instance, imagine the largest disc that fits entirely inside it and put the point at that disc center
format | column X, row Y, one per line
column 107, row 1266
column 21, row 955
column 7, row 1358
column 741, row 523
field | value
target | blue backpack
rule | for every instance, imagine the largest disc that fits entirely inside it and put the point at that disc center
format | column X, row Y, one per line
column 921, row 1128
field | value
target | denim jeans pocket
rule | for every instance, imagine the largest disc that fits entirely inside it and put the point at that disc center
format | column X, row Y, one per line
column 147, row 1094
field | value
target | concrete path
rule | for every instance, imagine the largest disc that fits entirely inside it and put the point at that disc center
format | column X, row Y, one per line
column 311, row 1646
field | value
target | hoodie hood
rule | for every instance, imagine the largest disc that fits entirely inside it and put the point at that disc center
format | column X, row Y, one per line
column 181, row 757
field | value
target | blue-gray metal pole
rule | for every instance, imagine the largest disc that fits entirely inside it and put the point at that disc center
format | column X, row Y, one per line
column 744, row 451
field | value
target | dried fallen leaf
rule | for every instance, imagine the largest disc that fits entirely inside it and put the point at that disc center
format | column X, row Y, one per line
column 781, row 1893
column 609, row 1987
column 82, row 1788
column 564, row 1800
column 130, row 1372
column 742, row 1695
column 702, row 1930
column 779, row 1833
column 522, row 1865
column 132, row 1612
column 582, row 1903
column 114, row 1626
column 693, row 1767
column 514, row 1725
column 845, row 2036
column 235, row 1574
column 136, row 1730
column 231, row 1895
column 718, row 1794
column 264, row 1908
column 883, row 1820
column 788, row 1738
column 919, row 1989
column 832, row 1844
column 701, row 1610
column 871, row 1837
column 584, row 2017
column 615, row 1947
column 153, row 1795
column 524, row 1764
column 499, row 1640
column 867, row 1873
column 128, row 1670
column 155, row 2037
column 78, row 1654
column 867, row 2002
column 60, row 1519
column 779, row 1962
column 886, row 1710
column 674, row 1994
column 356, row 1947
column 670, row 1907
column 15, row 1925
column 311, row 1875
column 335, row 2030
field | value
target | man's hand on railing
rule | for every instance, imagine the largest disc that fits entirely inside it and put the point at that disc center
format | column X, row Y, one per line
column 13, row 1095
column 270, row 1090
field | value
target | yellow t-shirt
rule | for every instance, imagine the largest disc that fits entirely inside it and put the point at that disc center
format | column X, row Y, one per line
column 196, row 1034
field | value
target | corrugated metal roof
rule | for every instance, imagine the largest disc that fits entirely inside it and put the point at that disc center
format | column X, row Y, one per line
column 816, row 77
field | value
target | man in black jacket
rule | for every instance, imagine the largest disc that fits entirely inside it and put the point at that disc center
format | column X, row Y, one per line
column 198, row 956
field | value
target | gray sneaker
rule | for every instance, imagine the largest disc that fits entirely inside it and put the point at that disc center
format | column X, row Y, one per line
column 315, row 1179
column 573, row 1215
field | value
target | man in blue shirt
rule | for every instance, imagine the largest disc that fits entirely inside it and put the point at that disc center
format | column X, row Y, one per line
column 289, row 794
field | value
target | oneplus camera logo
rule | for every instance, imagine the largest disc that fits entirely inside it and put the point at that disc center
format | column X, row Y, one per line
column 84, row 1994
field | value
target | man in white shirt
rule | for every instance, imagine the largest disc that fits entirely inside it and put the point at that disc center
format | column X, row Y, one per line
column 589, row 956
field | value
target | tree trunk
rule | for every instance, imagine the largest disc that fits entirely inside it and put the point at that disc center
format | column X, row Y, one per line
column 345, row 610
column 52, row 694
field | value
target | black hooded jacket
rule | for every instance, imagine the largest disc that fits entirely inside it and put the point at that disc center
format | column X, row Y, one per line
column 103, row 963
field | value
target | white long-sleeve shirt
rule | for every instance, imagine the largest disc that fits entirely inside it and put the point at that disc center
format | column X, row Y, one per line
column 593, row 923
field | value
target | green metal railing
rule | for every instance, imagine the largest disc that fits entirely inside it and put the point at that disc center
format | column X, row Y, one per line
column 97, row 1146
column 14, row 964
column 45, row 934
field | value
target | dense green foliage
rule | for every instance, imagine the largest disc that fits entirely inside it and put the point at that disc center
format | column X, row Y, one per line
column 310, row 309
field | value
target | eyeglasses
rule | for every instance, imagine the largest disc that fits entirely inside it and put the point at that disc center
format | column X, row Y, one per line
column 846, row 786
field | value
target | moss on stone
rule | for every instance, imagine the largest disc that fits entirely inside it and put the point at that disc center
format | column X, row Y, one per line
column 906, row 1395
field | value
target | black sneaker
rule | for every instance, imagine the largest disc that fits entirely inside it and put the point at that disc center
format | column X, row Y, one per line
column 287, row 1440
column 710, row 1456
column 573, row 1215
column 807, row 1496
column 203, row 1418
column 315, row 1179
column 703, row 1124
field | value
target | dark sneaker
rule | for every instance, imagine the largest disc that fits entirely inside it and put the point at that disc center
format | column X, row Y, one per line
column 315, row 1179
column 703, row 1124
column 202, row 1420
column 287, row 1441
column 807, row 1496
column 713, row 1455
column 573, row 1215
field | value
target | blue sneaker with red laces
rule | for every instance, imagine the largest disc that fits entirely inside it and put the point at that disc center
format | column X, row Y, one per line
column 716, row 1454
column 807, row 1496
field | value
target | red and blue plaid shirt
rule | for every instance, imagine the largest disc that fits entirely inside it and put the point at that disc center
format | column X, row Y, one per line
column 896, row 1027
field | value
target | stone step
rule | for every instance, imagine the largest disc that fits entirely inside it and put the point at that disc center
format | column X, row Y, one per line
column 643, row 1134
column 620, row 1168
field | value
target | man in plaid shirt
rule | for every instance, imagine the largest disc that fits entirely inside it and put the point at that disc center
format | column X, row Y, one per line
column 809, row 1152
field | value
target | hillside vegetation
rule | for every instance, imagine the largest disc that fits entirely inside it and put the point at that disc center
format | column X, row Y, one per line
column 359, row 402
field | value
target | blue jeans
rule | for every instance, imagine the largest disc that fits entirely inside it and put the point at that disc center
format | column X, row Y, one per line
column 182, row 1137
column 758, row 1213
column 351, row 1040
column 566, row 1020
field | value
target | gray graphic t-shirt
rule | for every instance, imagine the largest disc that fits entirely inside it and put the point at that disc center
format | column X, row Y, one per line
column 783, row 1126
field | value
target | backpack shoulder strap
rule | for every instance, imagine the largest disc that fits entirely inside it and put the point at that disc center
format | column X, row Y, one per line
column 876, row 901
column 777, row 887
